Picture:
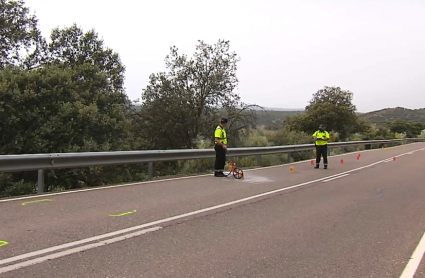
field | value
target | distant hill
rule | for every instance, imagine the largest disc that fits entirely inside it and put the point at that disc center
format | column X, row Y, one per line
column 390, row 114
column 283, row 109
column 268, row 117
column 274, row 119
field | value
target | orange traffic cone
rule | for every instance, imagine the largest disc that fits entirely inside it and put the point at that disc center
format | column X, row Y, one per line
column 312, row 162
column 394, row 158
column 342, row 161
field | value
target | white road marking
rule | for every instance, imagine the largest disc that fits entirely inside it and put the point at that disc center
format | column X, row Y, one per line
column 414, row 260
column 182, row 178
column 177, row 217
column 76, row 250
column 334, row 178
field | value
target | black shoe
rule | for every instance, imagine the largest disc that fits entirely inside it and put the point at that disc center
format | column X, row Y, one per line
column 317, row 167
column 326, row 167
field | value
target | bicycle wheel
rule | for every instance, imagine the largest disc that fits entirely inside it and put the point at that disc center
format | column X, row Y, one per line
column 238, row 173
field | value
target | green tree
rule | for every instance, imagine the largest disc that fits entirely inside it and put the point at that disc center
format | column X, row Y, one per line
column 72, row 47
column 286, row 136
column 185, row 103
column 333, row 107
column 411, row 129
column 70, row 98
column 302, row 123
column 18, row 32
column 52, row 109
column 370, row 131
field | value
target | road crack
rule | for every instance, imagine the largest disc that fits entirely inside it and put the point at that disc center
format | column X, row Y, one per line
column 379, row 192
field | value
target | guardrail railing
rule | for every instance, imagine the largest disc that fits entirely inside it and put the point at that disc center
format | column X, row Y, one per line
column 50, row 161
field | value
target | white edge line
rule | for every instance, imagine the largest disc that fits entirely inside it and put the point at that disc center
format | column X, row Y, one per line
column 414, row 260
column 182, row 178
column 76, row 250
column 334, row 178
column 176, row 217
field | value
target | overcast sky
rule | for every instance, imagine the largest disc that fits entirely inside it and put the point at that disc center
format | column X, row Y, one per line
column 288, row 49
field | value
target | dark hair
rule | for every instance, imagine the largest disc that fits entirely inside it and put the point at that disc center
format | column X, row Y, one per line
column 223, row 121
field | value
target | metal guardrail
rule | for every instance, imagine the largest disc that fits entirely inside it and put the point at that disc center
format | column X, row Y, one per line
column 50, row 161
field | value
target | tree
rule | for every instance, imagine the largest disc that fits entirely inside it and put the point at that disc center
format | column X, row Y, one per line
column 63, row 96
column 286, row 136
column 333, row 107
column 71, row 47
column 411, row 129
column 302, row 123
column 185, row 102
column 51, row 109
column 369, row 131
column 18, row 33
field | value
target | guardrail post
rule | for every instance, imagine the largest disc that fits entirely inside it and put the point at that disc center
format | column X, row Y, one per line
column 290, row 160
column 40, row 181
column 258, row 160
column 150, row 170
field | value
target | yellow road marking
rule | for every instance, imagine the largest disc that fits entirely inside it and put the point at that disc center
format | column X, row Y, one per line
column 3, row 243
column 37, row 201
column 122, row 214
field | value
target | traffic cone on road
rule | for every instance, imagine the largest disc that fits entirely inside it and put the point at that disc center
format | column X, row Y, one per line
column 312, row 162
column 342, row 161
column 394, row 158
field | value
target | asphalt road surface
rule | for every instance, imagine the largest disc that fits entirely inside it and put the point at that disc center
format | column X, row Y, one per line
column 361, row 218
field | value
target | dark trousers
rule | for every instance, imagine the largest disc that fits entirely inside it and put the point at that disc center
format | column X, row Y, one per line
column 220, row 158
column 322, row 151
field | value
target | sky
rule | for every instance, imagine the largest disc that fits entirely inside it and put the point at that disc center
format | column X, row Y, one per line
column 288, row 49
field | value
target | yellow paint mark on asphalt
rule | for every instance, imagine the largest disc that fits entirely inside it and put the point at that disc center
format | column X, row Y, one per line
column 122, row 214
column 3, row 243
column 291, row 169
column 37, row 201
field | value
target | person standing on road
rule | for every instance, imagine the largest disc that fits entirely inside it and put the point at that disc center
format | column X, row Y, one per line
column 220, row 148
column 321, row 138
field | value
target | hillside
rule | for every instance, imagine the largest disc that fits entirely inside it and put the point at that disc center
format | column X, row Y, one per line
column 269, row 117
column 390, row 114
column 274, row 119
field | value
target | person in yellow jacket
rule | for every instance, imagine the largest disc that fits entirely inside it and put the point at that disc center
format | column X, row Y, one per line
column 220, row 140
column 321, row 138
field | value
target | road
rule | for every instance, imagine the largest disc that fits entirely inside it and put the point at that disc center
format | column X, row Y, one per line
column 360, row 218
